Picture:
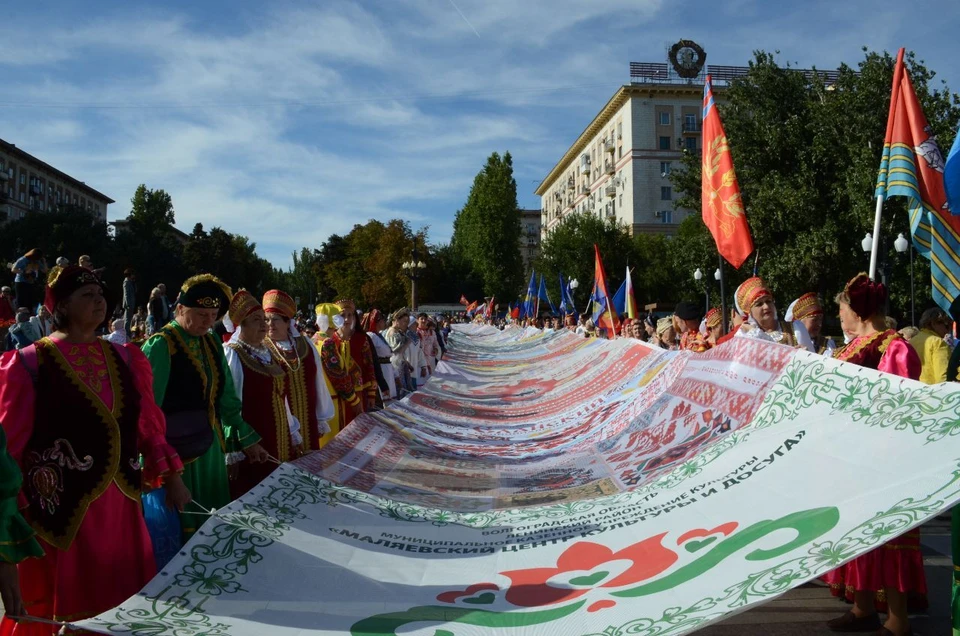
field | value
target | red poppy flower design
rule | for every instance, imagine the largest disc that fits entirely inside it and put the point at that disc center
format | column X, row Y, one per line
column 585, row 566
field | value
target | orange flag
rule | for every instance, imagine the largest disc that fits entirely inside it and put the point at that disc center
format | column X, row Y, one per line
column 723, row 209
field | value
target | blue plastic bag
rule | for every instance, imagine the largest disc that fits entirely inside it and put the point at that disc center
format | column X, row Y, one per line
column 163, row 524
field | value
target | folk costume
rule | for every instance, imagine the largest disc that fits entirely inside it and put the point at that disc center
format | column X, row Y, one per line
column 808, row 306
column 692, row 339
column 261, row 383
column 387, row 376
column 898, row 563
column 748, row 294
column 306, row 389
column 193, row 386
column 362, row 352
column 78, row 418
column 340, row 368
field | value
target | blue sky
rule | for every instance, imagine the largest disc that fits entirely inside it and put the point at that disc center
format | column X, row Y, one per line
column 287, row 121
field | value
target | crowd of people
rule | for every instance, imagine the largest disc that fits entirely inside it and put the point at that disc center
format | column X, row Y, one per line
column 223, row 386
column 891, row 578
column 193, row 411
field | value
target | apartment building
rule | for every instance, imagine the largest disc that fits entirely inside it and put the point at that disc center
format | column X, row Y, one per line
column 530, row 237
column 28, row 184
column 619, row 167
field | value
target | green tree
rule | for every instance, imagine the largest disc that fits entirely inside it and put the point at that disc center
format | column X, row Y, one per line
column 568, row 248
column 147, row 243
column 486, row 232
column 806, row 156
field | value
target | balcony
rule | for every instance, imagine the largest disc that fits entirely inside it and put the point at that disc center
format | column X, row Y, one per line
column 610, row 190
column 608, row 167
column 4, row 175
column 571, row 185
column 585, row 168
column 608, row 145
column 584, row 189
column 692, row 127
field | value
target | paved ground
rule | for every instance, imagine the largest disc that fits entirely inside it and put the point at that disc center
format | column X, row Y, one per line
column 804, row 611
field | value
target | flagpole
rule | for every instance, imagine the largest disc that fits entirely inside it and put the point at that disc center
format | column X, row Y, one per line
column 723, row 296
column 876, row 238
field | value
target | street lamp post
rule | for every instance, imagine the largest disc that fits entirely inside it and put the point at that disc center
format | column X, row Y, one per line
column 867, row 245
column 573, row 284
column 698, row 276
column 413, row 269
column 902, row 245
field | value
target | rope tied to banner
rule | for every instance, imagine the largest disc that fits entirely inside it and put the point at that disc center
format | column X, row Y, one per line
column 45, row 621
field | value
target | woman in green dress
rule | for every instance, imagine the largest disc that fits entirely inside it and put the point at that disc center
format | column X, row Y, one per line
column 193, row 386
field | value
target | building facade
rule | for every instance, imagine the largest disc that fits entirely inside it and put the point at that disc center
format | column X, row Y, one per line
column 28, row 184
column 619, row 167
column 530, row 238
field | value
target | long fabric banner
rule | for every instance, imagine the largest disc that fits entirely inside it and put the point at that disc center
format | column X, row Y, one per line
column 543, row 482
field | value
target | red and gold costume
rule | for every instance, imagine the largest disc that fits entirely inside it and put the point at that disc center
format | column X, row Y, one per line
column 899, row 563
column 362, row 353
column 261, row 384
column 306, row 390
column 748, row 294
column 694, row 341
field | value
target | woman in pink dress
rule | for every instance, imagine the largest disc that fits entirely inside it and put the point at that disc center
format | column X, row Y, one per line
column 79, row 413
column 895, row 569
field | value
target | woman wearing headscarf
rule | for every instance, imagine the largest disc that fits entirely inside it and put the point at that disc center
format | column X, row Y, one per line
column 307, row 392
column 755, row 301
column 79, row 415
column 895, row 568
column 261, row 383
column 373, row 323
column 340, row 368
column 193, row 386
column 808, row 311
column 666, row 334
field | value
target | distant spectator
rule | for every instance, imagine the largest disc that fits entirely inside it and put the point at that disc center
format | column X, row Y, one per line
column 43, row 321
column 167, row 307
column 117, row 334
column 909, row 332
column 930, row 346
column 84, row 261
column 23, row 333
column 31, row 272
column 156, row 309
column 63, row 261
column 129, row 298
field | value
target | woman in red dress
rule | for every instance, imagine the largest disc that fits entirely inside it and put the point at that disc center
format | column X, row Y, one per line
column 895, row 568
column 260, row 382
column 79, row 412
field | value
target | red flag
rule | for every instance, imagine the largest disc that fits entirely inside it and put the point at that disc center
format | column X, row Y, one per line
column 723, row 209
column 463, row 300
column 913, row 167
column 473, row 306
column 515, row 314
column 488, row 311
column 603, row 316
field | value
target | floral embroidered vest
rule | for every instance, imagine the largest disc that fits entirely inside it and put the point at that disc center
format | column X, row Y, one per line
column 78, row 446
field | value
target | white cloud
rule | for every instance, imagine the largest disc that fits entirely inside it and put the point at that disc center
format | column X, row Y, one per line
column 289, row 122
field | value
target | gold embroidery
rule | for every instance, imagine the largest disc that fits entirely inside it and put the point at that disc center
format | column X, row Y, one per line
column 199, row 351
column 109, row 419
column 848, row 352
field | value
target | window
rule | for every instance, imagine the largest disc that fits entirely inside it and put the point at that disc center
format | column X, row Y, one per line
column 664, row 118
column 664, row 168
column 41, row 206
column 22, row 198
column 690, row 143
column 689, row 122
column 619, row 130
column 666, row 216
column 666, row 193
column 23, row 179
column 665, row 143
